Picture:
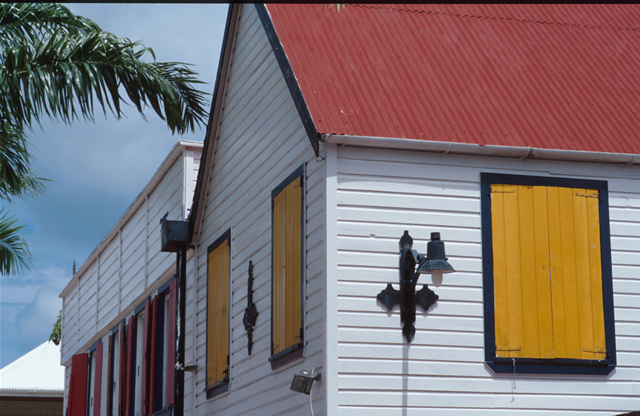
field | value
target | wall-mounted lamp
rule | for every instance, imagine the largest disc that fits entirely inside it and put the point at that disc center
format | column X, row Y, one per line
column 435, row 263
column 303, row 381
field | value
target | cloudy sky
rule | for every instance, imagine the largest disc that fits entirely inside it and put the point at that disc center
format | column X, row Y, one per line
column 97, row 169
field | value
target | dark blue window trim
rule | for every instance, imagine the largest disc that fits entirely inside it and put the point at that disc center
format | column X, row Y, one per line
column 542, row 366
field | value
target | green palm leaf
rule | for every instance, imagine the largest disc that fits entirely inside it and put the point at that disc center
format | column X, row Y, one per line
column 16, row 179
column 58, row 65
column 59, row 73
column 14, row 253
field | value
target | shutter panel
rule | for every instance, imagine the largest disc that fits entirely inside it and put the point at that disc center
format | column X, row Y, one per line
column 129, row 369
column 578, row 309
column 293, row 260
column 279, row 273
column 123, row 372
column 547, row 273
column 218, row 315
column 110, row 365
column 78, row 385
column 222, row 332
column 171, row 343
column 145, row 357
column 152, row 355
column 287, row 267
column 97, row 392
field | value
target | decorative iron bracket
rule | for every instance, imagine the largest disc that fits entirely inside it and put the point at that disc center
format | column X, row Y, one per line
column 251, row 313
column 407, row 296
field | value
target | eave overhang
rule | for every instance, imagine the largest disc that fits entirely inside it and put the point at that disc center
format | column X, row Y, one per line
column 478, row 150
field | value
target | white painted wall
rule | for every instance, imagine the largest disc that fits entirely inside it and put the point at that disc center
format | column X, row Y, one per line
column 381, row 193
column 261, row 141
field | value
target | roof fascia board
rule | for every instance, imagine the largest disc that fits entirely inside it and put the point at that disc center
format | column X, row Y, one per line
column 290, row 78
column 176, row 153
column 475, row 149
column 211, row 135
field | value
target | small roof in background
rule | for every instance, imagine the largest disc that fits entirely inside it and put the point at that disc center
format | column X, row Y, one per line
column 549, row 76
column 38, row 372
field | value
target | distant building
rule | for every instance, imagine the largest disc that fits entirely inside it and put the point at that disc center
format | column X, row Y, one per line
column 33, row 384
column 117, row 315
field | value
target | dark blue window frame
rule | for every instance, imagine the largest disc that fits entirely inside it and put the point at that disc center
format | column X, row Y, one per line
column 546, row 366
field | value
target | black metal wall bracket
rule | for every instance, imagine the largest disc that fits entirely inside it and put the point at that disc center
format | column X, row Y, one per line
column 407, row 297
column 251, row 313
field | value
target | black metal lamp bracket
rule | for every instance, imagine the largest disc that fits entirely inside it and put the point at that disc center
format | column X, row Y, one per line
column 251, row 313
column 407, row 297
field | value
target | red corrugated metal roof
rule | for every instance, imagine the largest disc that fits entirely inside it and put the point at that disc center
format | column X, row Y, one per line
column 547, row 76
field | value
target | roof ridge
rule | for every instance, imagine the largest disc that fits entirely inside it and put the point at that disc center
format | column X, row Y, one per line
column 368, row 6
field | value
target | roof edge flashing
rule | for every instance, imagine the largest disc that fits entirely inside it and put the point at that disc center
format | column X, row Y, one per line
column 475, row 149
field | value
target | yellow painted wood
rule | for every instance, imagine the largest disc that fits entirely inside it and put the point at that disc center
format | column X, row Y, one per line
column 542, row 272
column 508, row 320
column 547, row 272
column 287, row 264
column 211, row 318
column 529, row 295
column 218, row 314
column 499, row 270
column 278, row 296
column 294, row 256
column 595, row 262
column 568, row 253
column 556, row 266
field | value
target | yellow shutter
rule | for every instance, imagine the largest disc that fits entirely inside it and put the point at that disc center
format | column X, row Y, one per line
column 287, row 277
column 547, row 277
column 218, row 315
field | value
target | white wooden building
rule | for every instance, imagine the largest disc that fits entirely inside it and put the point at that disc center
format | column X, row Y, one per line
column 511, row 130
column 394, row 118
column 112, row 296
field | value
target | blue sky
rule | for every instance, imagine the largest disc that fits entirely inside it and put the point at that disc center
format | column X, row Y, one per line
column 97, row 169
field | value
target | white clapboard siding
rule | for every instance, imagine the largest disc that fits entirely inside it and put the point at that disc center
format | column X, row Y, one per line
column 127, row 266
column 381, row 193
column 260, row 141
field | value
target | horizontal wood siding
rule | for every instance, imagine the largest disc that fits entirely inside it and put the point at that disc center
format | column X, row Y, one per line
column 128, row 266
column 381, row 193
column 261, row 141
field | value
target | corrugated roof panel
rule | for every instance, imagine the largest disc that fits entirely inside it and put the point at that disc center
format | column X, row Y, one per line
column 37, row 371
column 547, row 76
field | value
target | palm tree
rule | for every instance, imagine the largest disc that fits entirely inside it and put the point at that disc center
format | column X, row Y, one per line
column 56, row 64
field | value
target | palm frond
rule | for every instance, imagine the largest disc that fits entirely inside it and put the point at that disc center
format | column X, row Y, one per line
column 20, row 21
column 15, row 256
column 60, row 77
column 16, row 178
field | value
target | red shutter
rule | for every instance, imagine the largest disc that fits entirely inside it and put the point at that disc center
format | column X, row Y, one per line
column 171, row 342
column 145, row 357
column 129, row 371
column 122, row 373
column 97, row 389
column 78, row 385
column 152, row 354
